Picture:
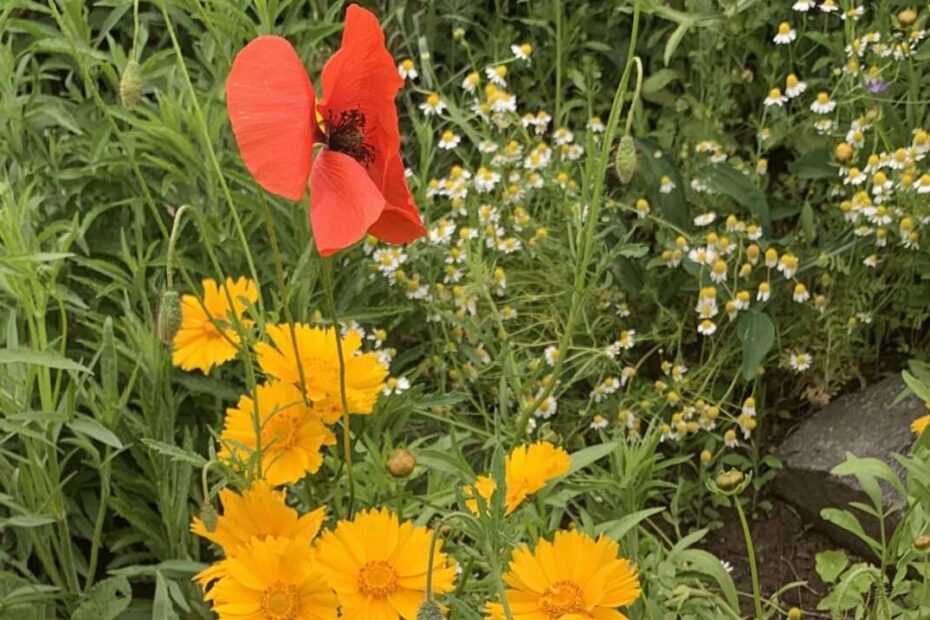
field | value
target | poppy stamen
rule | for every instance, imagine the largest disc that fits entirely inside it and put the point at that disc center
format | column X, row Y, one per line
column 347, row 135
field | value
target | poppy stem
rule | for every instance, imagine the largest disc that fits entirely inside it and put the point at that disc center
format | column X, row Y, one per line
column 346, row 429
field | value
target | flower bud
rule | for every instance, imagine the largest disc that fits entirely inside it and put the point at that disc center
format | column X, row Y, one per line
column 922, row 542
column 401, row 463
column 843, row 151
column 458, row 34
column 729, row 480
column 169, row 316
column 429, row 610
column 794, row 614
column 907, row 17
column 209, row 515
column 130, row 85
column 627, row 161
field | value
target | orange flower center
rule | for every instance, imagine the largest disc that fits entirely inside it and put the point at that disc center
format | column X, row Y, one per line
column 377, row 579
column 346, row 134
column 563, row 597
column 280, row 432
column 280, row 601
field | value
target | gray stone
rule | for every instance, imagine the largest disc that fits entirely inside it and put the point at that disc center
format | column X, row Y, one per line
column 866, row 424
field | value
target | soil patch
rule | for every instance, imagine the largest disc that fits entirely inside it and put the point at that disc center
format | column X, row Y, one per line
column 786, row 549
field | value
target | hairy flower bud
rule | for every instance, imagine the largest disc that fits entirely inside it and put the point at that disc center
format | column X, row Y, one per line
column 401, row 463
column 169, row 316
column 429, row 611
column 209, row 516
column 130, row 85
column 627, row 161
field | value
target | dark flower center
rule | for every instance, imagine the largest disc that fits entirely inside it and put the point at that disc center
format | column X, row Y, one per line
column 347, row 135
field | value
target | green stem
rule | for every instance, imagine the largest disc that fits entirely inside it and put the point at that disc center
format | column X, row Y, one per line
column 751, row 553
column 587, row 243
column 346, row 428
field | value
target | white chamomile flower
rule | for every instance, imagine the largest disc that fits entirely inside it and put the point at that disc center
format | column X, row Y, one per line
column 706, row 327
column 547, row 408
column 786, row 34
column 803, row 6
column 823, row 104
column 449, row 140
column 627, row 339
column 433, row 105
column 551, row 354
column 870, row 261
column 471, row 82
column 705, row 219
column 799, row 361
column 794, row 86
column 774, row 98
column 395, row 385
column 407, row 69
column 800, row 294
column 596, row 125
column 522, row 51
column 497, row 75
column 666, row 185
column 598, row 422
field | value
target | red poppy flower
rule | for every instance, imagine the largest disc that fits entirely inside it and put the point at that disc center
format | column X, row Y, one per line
column 356, row 179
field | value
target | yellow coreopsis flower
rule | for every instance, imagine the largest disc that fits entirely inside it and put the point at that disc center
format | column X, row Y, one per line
column 317, row 355
column 920, row 425
column 259, row 512
column 273, row 579
column 526, row 471
column 573, row 577
column 205, row 340
column 378, row 566
column 292, row 435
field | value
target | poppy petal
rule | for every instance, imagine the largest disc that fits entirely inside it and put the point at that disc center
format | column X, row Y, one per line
column 362, row 76
column 344, row 202
column 400, row 222
column 271, row 107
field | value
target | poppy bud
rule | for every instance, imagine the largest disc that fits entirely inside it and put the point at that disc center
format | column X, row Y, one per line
column 130, row 85
column 429, row 611
column 209, row 515
column 401, row 463
column 169, row 316
column 627, row 161
column 922, row 542
column 729, row 480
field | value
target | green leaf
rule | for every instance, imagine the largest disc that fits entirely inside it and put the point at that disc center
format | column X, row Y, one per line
column 659, row 80
column 654, row 165
column 816, row 164
column 830, row 564
column 618, row 528
column 95, row 430
column 48, row 359
column 673, row 41
column 705, row 563
column 848, row 521
column 757, row 333
column 175, row 453
column 26, row 521
column 727, row 180
column 105, row 601
column 586, row 456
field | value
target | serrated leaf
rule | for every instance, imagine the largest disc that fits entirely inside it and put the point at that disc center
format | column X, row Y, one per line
column 105, row 601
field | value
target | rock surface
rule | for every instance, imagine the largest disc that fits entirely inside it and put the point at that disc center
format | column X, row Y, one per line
column 866, row 424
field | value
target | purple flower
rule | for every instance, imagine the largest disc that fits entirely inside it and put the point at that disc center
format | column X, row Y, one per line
column 875, row 86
